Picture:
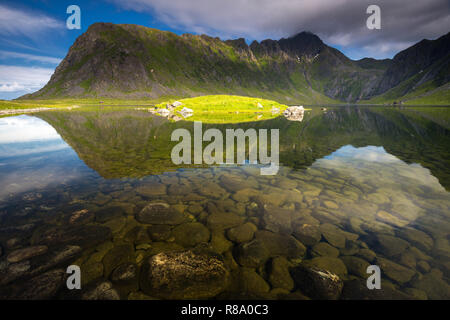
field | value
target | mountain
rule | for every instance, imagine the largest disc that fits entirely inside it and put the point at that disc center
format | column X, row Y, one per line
column 419, row 71
column 130, row 61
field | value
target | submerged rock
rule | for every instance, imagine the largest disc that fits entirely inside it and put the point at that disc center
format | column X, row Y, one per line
column 391, row 219
column 333, row 235
column 333, row 265
column 266, row 245
column 390, row 246
column 356, row 266
column 435, row 287
column 44, row 286
column 26, row 253
column 103, row 291
column 190, row 234
column 109, row 213
column 279, row 276
column 155, row 189
column 190, row 274
column 277, row 219
column 324, row 249
column 417, row 238
column 307, row 234
column 242, row 233
column 357, row 290
column 116, row 256
column 161, row 213
column 251, row 282
column 219, row 242
column 224, row 220
column 317, row 283
column 395, row 271
column 159, row 232
column 84, row 235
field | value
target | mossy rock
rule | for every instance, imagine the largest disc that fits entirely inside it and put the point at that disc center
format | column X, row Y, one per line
column 190, row 274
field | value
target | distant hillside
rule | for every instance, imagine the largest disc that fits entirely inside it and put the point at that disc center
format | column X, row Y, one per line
column 130, row 61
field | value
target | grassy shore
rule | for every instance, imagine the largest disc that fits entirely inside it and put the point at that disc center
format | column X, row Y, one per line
column 227, row 108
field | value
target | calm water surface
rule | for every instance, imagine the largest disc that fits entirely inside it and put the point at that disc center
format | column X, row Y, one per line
column 357, row 186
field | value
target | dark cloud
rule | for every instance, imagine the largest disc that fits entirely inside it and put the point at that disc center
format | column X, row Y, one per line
column 338, row 22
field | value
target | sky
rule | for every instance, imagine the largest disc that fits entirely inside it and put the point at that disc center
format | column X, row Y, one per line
column 34, row 37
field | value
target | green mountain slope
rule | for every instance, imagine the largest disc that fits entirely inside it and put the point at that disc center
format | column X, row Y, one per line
column 419, row 74
column 134, row 62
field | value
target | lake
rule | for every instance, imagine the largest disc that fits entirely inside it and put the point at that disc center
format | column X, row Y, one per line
column 96, row 188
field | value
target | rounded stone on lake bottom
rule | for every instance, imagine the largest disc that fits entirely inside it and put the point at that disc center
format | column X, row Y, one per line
column 159, row 232
column 356, row 289
column 91, row 271
column 434, row 287
column 124, row 273
column 242, row 233
column 333, row 265
column 391, row 246
column 116, row 256
column 252, row 254
column 103, row 291
column 324, row 249
column 351, row 248
column 43, row 286
column 190, row 234
column 251, row 282
column 317, row 283
column 417, row 238
column 307, row 234
column 26, row 253
column 219, row 242
column 109, row 213
column 394, row 271
column 189, row 274
column 223, row 220
column 195, row 209
column 416, row 294
column 367, row 254
column 356, row 266
column 423, row 266
column 139, row 296
column 279, row 276
column 333, row 235
column 161, row 213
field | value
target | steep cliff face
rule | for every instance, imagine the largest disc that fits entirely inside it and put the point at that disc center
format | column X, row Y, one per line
column 415, row 60
column 130, row 61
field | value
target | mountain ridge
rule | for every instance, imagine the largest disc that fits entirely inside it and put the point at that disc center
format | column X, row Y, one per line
column 130, row 61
